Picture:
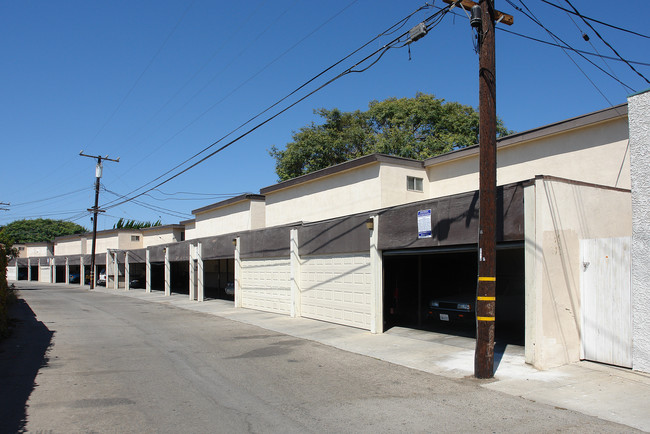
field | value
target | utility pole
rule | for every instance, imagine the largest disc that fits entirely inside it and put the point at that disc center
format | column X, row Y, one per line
column 95, row 209
column 483, row 17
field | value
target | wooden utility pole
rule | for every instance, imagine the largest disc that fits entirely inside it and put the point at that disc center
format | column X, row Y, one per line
column 487, row 264
column 483, row 18
column 95, row 210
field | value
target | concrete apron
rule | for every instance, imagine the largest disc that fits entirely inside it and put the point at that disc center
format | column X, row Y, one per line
column 610, row 393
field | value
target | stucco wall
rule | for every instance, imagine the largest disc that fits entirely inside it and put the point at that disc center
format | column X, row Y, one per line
column 153, row 238
column 36, row 250
column 558, row 216
column 596, row 154
column 334, row 196
column 393, row 185
column 639, row 113
column 68, row 247
column 231, row 218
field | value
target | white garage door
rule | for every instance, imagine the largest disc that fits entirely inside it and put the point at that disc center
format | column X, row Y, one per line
column 336, row 289
column 266, row 285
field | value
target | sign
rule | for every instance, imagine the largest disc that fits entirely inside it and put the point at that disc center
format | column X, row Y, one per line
column 424, row 223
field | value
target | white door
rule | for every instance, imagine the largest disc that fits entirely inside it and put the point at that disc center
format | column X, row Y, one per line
column 266, row 285
column 336, row 289
column 606, row 311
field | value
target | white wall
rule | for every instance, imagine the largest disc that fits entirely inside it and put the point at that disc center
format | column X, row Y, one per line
column 557, row 216
column 597, row 154
column 230, row 218
column 639, row 114
column 68, row 247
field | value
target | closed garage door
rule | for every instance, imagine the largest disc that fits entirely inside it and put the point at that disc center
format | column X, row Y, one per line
column 266, row 285
column 336, row 289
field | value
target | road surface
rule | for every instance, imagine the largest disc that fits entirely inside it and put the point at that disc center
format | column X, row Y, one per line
column 82, row 361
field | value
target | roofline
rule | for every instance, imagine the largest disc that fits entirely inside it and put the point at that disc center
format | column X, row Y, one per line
column 64, row 237
column 159, row 227
column 188, row 222
column 231, row 201
column 341, row 167
column 582, row 121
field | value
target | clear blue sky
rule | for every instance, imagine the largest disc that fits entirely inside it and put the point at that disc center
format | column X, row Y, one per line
column 153, row 82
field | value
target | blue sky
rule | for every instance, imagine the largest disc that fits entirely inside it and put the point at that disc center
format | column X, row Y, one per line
column 154, row 82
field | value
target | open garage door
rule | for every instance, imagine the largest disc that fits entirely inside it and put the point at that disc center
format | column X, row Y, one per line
column 435, row 289
column 219, row 279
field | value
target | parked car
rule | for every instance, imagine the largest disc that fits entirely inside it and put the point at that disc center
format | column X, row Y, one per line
column 458, row 307
column 230, row 288
column 101, row 280
column 137, row 282
column 73, row 278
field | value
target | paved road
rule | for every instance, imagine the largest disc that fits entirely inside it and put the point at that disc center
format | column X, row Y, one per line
column 83, row 361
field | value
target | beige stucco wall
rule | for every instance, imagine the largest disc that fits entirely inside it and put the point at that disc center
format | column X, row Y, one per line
column 190, row 231
column 596, row 154
column 36, row 250
column 258, row 214
column 393, row 185
column 558, row 215
column 68, row 247
column 238, row 216
column 154, row 238
column 114, row 240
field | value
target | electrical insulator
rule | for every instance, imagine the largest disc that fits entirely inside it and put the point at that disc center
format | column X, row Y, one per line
column 476, row 17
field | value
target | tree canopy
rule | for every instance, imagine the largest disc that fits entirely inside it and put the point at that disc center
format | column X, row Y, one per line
column 416, row 128
column 132, row 224
column 38, row 230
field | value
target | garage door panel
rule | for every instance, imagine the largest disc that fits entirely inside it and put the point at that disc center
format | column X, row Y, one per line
column 337, row 289
column 266, row 285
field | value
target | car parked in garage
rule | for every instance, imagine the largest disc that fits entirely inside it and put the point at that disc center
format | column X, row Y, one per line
column 459, row 307
column 137, row 282
column 101, row 280
column 73, row 278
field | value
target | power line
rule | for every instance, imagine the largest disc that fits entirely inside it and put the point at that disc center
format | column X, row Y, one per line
column 605, row 42
column 347, row 71
column 532, row 17
column 595, row 20
column 560, row 46
column 397, row 25
column 249, row 79
column 50, row 198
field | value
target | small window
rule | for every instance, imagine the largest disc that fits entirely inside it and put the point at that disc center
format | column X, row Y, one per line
column 183, row 236
column 135, row 237
column 21, row 248
column 413, row 183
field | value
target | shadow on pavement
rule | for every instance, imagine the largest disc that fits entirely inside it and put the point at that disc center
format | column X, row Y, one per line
column 22, row 355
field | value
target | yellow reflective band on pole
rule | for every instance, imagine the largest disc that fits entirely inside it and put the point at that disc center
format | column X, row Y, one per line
column 485, row 318
column 481, row 298
column 487, row 279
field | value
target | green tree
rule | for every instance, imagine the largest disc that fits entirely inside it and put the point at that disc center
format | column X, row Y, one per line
column 132, row 224
column 417, row 128
column 38, row 230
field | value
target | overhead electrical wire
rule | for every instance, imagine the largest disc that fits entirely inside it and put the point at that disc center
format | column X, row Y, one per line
column 566, row 46
column 595, row 20
column 50, row 198
column 242, row 84
column 605, row 42
column 397, row 25
column 552, row 44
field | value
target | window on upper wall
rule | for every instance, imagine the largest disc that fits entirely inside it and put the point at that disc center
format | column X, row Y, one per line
column 135, row 237
column 413, row 183
column 183, row 236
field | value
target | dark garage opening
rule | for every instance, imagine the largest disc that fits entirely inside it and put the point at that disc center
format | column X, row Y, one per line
column 435, row 290
column 217, row 275
column 74, row 276
column 179, row 277
column 34, row 273
column 137, row 275
column 157, row 276
column 22, row 273
column 59, row 274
